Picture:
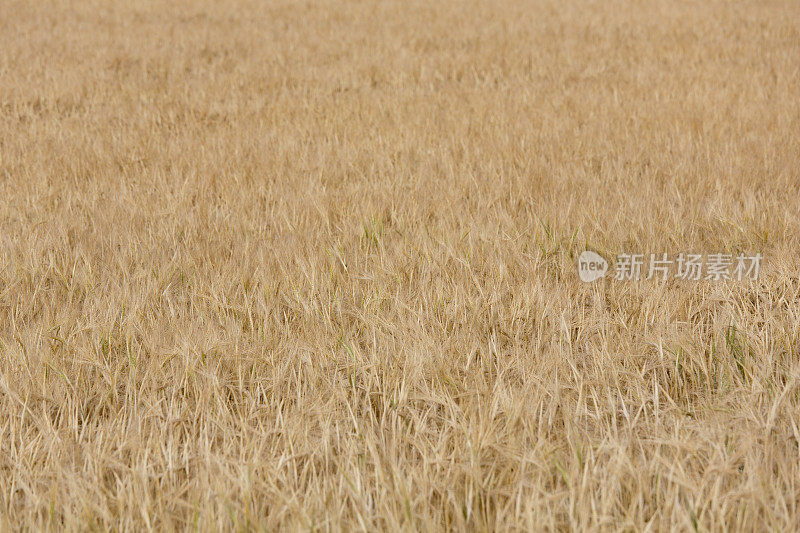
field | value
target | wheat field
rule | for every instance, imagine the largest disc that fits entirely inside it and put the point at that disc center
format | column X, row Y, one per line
column 313, row 265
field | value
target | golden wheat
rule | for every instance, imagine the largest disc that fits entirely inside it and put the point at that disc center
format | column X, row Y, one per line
column 313, row 265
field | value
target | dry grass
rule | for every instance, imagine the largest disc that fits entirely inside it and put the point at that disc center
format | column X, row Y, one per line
column 312, row 265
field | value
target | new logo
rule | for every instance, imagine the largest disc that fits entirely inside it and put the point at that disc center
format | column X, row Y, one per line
column 591, row 266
